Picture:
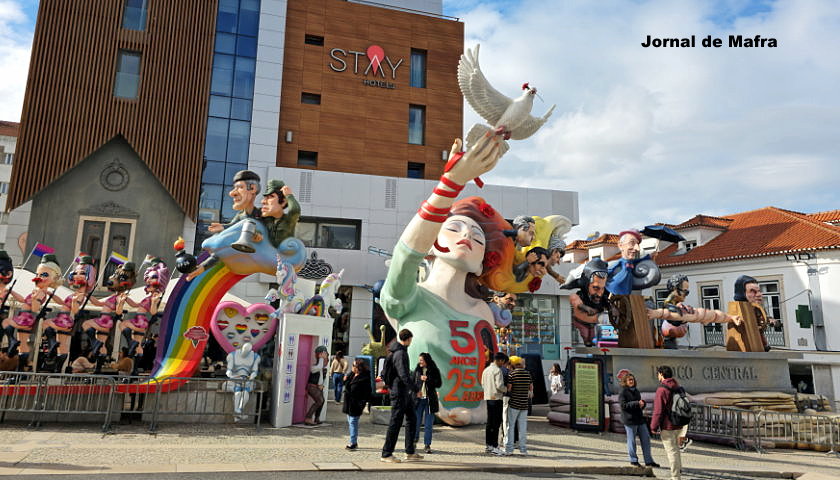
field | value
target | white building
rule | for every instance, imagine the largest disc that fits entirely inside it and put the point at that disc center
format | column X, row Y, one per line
column 8, row 141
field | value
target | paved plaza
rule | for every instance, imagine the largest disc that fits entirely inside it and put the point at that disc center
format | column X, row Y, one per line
column 554, row 452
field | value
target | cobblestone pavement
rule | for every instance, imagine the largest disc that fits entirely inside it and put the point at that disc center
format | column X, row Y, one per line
column 210, row 448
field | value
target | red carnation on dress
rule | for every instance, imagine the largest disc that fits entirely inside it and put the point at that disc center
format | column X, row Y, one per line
column 492, row 260
column 534, row 284
column 487, row 210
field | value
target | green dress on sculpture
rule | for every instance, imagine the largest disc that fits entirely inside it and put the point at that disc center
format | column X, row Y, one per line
column 450, row 337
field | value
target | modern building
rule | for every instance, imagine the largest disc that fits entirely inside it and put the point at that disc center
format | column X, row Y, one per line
column 794, row 256
column 134, row 122
column 8, row 141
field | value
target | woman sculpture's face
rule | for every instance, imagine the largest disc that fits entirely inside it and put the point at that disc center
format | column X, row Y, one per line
column 465, row 241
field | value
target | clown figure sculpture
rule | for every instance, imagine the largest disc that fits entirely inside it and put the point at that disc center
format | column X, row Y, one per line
column 446, row 312
column 113, row 307
column 133, row 327
column 82, row 281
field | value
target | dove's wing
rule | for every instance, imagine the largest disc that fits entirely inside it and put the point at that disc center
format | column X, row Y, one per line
column 530, row 126
column 482, row 97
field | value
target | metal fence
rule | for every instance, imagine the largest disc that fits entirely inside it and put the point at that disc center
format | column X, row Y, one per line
column 747, row 429
column 50, row 397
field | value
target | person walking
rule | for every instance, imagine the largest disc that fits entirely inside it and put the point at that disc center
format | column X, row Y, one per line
column 427, row 378
column 506, row 368
column 493, row 383
column 521, row 388
column 555, row 379
column 315, row 386
column 358, row 392
column 662, row 420
column 338, row 370
column 632, row 415
column 403, row 391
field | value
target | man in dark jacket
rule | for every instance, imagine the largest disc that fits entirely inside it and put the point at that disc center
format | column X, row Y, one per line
column 662, row 419
column 403, row 391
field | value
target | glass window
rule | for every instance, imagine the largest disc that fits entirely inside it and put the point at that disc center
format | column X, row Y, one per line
column 214, row 172
column 243, row 80
column 222, row 81
column 240, row 109
column 238, row 140
column 226, row 43
column 4, row 188
column 416, row 170
column 227, row 209
column 314, row 40
column 228, row 15
column 710, row 298
column 9, row 158
column 310, row 98
column 101, row 236
column 134, row 15
column 307, row 159
column 416, row 124
column 219, row 106
column 93, row 233
column 211, row 197
column 661, row 294
column 772, row 299
column 329, row 233
column 246, row 46
column 249, row 17
column 534, row 319
column 128, row 74
column 217, row 139
column 418, row 68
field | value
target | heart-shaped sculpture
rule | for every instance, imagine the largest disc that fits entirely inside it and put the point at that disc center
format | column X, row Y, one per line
column 233, row 324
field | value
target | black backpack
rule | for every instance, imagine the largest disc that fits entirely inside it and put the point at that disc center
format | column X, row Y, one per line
column 680, row 412
column 389, row 371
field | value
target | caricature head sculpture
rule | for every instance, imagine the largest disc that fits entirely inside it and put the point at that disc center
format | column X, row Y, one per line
column 678, row 285
column 472, row 239
column 123, row 278
column 748, row 290
column 537, row 261
column 593, row 281
column 628, row 243
column 83, row 276
column 246, row 186
column 7, row 270
column 156, row 276
column 274, row 201
column 525, row 230
column 48, row 273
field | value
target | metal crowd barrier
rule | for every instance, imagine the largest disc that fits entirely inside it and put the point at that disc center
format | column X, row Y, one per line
column 759, row 429
column 44, row 397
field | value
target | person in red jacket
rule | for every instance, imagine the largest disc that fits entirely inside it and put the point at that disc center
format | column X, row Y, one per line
column 661, row 422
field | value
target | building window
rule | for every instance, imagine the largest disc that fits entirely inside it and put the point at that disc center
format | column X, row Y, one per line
column 4, row 219
column 690, row 245
column 310, row 98
column 307, row 159
column 416, row 170
column 418, row 68
column 329, row 233
column 99, row 236
column 710, row 299
column 314, row 40
column 128, row 74
column 772, row 297
column 8, row 158
column 4, row 188
column 416, row 124
column 534, row 321
column 134, row 15
column 661, row 294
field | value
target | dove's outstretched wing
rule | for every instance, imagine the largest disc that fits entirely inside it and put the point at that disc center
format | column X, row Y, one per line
column 530, row 126
column 482, row 97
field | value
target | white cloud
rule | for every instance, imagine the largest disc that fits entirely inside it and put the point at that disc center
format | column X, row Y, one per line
column 15, row 47
column 648, row 135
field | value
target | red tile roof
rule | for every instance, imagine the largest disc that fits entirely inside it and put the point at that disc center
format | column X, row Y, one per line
column 10, row 129
column 705, row 221
column 829, row 216
column 762, row 232
column 605, row 239
column 577, row 245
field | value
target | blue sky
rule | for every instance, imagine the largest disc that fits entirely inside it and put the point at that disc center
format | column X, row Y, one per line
column 644, row 135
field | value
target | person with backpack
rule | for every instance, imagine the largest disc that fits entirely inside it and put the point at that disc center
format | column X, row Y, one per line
column 632, row 415
column 403, row 392
column 671, row 416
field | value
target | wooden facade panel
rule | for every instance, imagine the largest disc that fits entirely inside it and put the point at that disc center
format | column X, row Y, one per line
column 352, row 111
column 70, row 109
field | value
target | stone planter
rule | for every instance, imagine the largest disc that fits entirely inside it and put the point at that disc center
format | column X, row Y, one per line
column 380, row 415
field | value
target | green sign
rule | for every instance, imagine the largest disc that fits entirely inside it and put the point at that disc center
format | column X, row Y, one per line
column 587, row 394
column 804, row 317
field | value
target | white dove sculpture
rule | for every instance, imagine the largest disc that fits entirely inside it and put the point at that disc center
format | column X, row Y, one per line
column 509, row 117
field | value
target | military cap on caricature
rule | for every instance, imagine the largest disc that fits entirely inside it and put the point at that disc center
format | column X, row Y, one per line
column 274, row 186
column 244, row 175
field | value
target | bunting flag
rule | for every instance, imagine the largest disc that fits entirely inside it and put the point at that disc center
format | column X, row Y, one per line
column 117, row 258
column 40, row 250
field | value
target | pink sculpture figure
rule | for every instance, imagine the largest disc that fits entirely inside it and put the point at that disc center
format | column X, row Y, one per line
column 134, row 326
column 82, row 280
column 113, row 307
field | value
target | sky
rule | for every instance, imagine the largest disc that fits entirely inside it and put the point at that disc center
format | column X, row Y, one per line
column 644, row 135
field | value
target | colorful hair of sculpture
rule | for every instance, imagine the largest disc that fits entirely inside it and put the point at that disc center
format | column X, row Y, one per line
column 162, row 272
column 286, row 277
column 498, row 249
column 90, row 275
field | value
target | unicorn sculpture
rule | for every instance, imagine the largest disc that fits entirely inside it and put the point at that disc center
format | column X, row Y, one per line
column 319, row 304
